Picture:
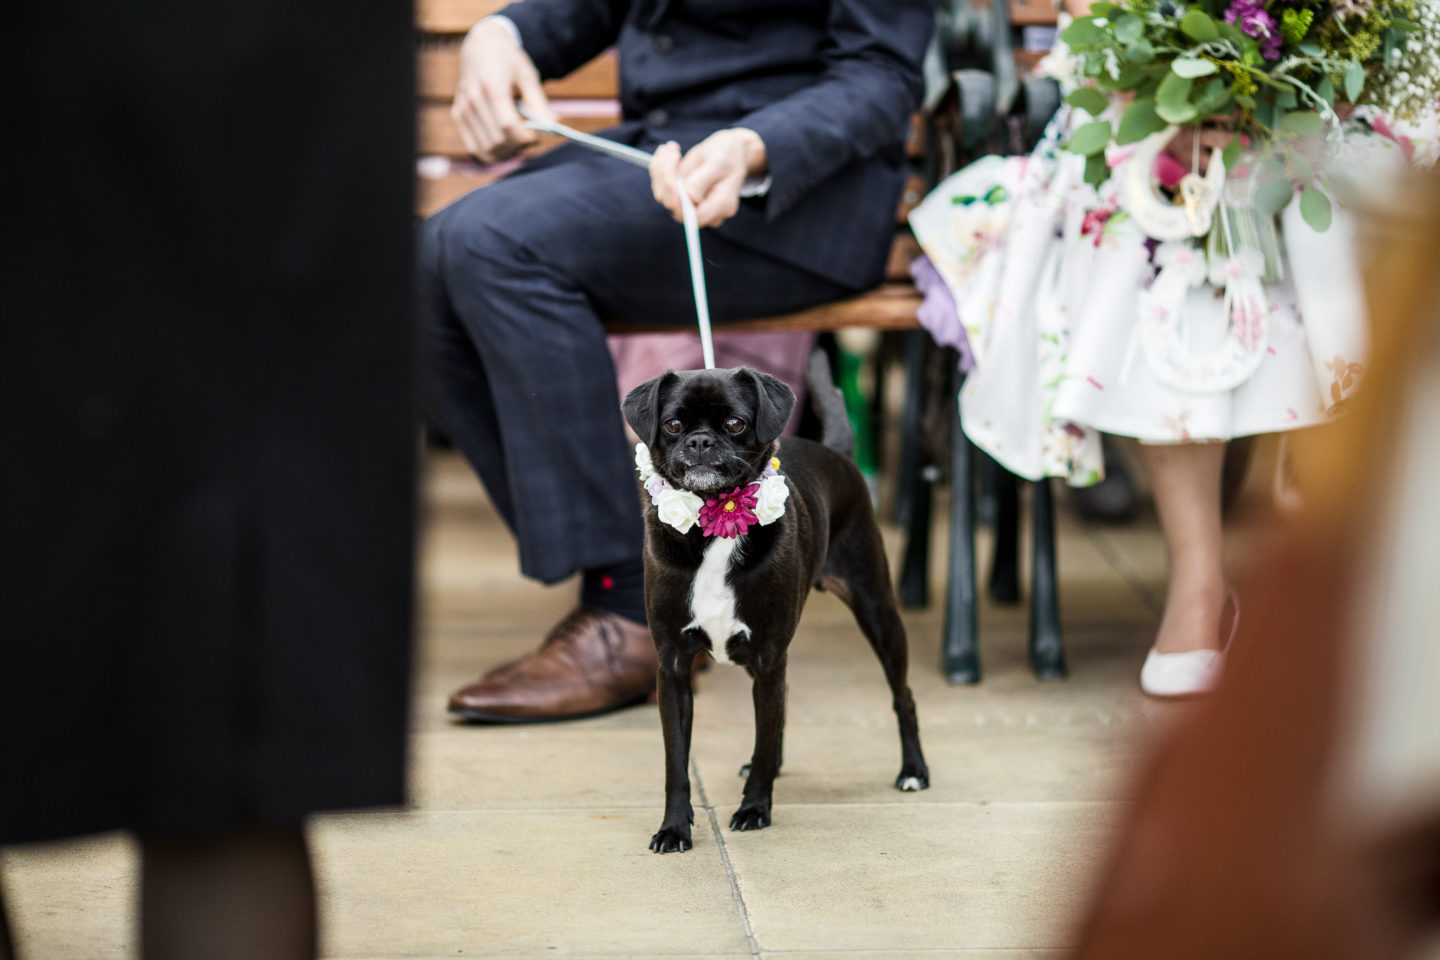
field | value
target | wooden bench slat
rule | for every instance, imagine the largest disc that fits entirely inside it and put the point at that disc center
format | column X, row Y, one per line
column 453, row 16
column 891, row 306
column 436, row 135
column 438, row 69
column 905, row 249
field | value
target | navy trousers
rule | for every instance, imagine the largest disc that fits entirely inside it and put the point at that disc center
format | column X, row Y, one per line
column 514, row 280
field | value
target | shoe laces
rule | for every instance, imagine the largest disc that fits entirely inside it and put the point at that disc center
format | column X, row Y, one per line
column 574, row 626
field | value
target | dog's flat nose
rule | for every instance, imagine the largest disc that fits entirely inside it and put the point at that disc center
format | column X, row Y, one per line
column 699, row 443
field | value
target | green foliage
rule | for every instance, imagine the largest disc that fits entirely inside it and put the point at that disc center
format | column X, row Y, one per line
column 1128, row 27
column 1089, row 99
column 1172, row 99
column 1354, row 81
column 1138, row 121
column 1096, row 171
column 1315, row 208
column 1192, row 67
column 1083, row 32
column 1186, row 65
column 1090, row 138
column 1197, row 24
column 1231, row 154
column 1273, row 195
column 1294, row 24
column 1302, row 124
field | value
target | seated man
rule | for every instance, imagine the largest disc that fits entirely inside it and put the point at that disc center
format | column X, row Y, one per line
column 785, row 122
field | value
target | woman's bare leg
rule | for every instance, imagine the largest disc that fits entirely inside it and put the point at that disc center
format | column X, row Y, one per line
column 246, row 895
column 1185, row 478
column 7, row 945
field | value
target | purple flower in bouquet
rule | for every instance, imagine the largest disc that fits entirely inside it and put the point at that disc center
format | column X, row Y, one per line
column 1251, row 18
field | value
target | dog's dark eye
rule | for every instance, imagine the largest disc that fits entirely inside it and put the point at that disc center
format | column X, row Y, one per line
column 673, row 427
column 735, row 425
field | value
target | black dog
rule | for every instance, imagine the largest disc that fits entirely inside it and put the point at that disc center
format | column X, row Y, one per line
column 711, row 434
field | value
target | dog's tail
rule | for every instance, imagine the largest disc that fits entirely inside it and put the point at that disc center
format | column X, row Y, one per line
column 829, row 404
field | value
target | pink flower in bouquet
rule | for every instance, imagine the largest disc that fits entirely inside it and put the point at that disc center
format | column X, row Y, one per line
column 1251, row 18
column 730, row 515
column 1094, row 223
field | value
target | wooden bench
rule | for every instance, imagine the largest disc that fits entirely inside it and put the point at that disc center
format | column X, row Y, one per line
column 587, row 100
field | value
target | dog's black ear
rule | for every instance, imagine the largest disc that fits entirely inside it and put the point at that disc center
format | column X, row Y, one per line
column 642, row 407
column 774, row 400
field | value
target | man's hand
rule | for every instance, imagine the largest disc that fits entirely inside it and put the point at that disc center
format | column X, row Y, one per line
column 494, row 71
column 712, row 173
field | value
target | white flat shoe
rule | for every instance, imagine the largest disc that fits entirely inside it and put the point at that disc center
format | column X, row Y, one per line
column 1189, row 674
column 1193, row 673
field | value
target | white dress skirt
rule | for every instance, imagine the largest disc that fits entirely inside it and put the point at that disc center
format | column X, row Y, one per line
column 1080, row 324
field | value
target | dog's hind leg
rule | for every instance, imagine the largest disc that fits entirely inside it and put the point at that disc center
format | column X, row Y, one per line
column 867, row 592
column 768, row 692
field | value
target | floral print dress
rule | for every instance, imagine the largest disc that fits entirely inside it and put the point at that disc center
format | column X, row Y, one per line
column 1080, row 324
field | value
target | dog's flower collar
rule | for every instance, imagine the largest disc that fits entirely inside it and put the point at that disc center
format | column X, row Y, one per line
column 728, row 516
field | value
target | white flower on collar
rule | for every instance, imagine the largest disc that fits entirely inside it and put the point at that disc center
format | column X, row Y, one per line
column 770, row 499
column 679, row 508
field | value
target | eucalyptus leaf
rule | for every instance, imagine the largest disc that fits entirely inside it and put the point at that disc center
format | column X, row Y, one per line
column 1128, row 27
column 1090, row 138
column 1174, row 90
column 1354, row 80
column 1103, row 8
column 1304, row 123
column 1231, row 154
column 1272, row 196
column 1096, row 169
column 1177, row 113
column 1245, row 100
column 1311, row 49
column 1197, row 25
column 1315, row 208
column 1083, row 32
column 1229, row 31
column 1192, row 67
column 1141, row 51
column 1138, row 121
column 1213, row 98
column 1325, row 90
column 1130, row 77
column 1286, row 100
column 1301, row 166
column 1089, row 99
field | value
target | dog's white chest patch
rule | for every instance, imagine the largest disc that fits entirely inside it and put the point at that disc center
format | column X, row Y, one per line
column 712, row 601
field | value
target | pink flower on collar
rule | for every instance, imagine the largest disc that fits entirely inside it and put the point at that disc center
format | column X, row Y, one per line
column 729, row 515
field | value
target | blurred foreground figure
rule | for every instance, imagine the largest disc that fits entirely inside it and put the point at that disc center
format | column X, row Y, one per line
column 1297, row 815
column 206, row 497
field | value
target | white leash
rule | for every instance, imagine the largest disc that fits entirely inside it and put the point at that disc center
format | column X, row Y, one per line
column 687, row 210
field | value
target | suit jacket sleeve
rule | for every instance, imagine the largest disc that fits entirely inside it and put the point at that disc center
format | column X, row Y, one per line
column 860, row 104
column 561, row 35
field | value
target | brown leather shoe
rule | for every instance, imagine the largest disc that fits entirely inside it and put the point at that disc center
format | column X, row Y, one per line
column 591, row 662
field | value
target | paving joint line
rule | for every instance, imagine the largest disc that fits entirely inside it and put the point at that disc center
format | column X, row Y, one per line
column 1122, row 566
column 735, row 893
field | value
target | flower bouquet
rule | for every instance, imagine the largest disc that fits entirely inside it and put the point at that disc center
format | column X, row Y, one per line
column 1272, row 71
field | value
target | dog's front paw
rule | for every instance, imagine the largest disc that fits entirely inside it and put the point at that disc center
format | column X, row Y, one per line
column 671, row 840
column 751, row 818
column 912, row 779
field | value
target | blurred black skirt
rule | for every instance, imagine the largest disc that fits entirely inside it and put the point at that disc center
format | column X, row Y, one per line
column 206, row 433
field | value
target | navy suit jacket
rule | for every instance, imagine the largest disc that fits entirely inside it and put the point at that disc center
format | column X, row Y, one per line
column 829, row 85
